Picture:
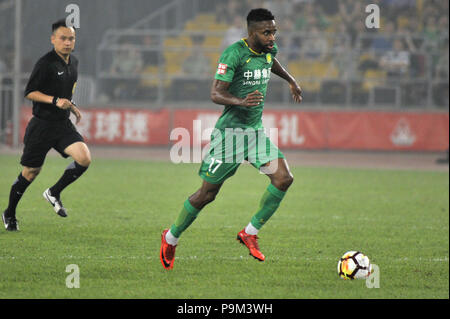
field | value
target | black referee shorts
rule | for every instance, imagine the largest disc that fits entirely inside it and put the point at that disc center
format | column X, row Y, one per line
column 41, row 136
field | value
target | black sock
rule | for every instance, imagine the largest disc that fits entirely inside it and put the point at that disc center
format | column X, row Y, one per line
column 71, row 174
column 17, row 190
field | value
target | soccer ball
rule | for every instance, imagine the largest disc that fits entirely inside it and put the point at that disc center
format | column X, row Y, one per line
column 354, row 265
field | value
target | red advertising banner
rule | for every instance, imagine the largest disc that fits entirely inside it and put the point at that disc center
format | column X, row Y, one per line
column 119, row 126
column 298, row 130
column 344, row 130
column 200, row 123
column 388, row 131
column 193, row 127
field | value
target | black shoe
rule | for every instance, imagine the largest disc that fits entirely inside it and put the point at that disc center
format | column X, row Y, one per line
column 55, row 202
column 10, row 222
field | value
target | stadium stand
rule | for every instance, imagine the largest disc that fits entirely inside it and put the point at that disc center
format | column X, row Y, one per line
column 321, row 41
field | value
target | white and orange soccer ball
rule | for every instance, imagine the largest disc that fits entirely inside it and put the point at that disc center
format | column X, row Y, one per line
column 354, row 265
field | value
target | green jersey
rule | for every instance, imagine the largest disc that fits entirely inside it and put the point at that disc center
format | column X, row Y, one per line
column 247, row 71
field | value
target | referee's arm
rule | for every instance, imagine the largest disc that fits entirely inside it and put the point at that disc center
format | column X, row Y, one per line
column 37, row 96
column 40, row 97
column 32, row 92
column 64, row 104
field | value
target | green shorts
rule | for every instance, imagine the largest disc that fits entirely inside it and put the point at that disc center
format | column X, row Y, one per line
column 230, row 147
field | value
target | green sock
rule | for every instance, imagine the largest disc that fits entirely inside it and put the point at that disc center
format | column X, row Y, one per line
column 187, row 215
column 267, row 206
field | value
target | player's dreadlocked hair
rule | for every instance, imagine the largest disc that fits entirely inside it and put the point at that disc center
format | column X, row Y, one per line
column 257, row 15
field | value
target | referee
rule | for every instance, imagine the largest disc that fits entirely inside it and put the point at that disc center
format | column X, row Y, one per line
column 50, row 87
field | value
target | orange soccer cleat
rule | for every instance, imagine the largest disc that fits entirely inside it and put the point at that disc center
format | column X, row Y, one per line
column 167, row 253
column 252, row 244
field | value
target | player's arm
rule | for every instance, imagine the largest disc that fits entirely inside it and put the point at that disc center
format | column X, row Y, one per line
column 296, row 91
column 221, row 95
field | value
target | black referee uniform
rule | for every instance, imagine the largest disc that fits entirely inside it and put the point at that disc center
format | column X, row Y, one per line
column 54, row 76
column 50, row 126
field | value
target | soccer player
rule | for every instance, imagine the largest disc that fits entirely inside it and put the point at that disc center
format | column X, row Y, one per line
column 50, row 87
column 240, row 84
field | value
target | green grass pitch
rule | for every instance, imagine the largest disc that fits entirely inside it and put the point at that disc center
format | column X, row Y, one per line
column 118, row 209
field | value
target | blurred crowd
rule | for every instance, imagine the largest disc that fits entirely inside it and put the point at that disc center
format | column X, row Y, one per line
column 320, row 39
column 426, row 17
column 325, row 39
column 410, row 46
column 408, row 28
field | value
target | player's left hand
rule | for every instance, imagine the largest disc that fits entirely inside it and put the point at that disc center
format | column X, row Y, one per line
column 76, row 112
column 296, row 92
